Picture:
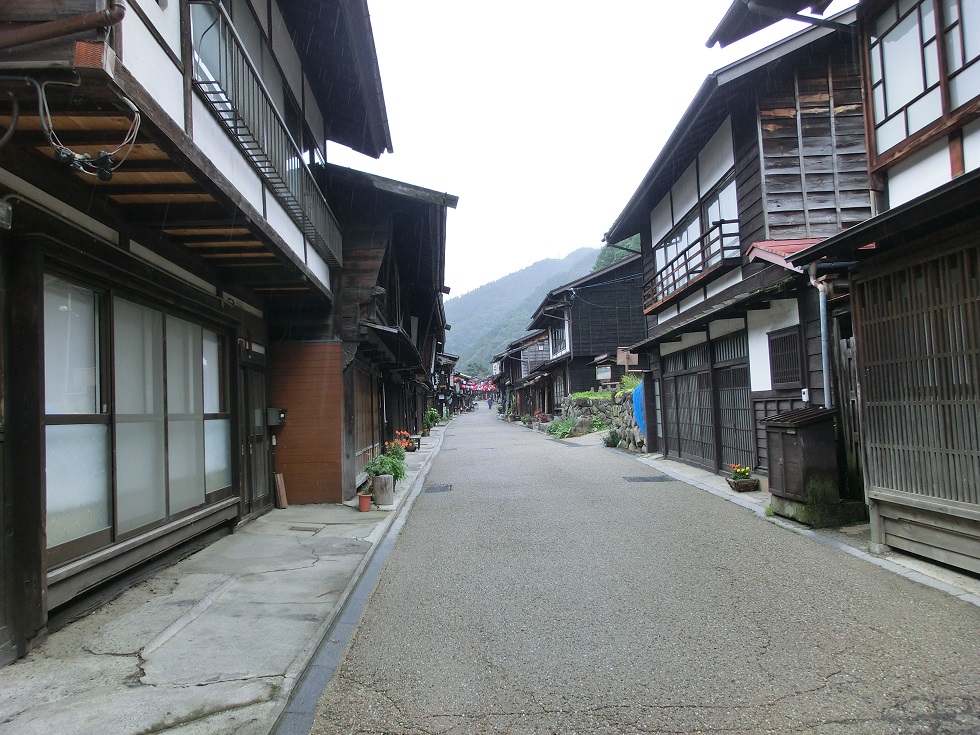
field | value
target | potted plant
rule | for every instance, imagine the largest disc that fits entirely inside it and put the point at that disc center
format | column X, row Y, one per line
column 741, row 479
column 430, row 419
column 364, row 498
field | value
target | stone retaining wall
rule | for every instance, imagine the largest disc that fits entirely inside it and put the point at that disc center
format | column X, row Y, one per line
column 616, row 413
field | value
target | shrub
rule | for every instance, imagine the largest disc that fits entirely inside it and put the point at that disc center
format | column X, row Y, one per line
column 597, row 424
column 628, row 383
column 611, row 439
column 561, row 428
column 603, row 394
column 395, row 449
column 387, row 464
column 431, row 418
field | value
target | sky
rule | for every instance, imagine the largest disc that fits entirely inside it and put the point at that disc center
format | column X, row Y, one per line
column 542, row 116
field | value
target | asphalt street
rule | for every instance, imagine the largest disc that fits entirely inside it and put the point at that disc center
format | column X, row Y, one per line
column 540, row 586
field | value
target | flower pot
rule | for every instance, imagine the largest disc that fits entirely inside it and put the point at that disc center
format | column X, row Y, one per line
column 743, row 485
column 364, row 502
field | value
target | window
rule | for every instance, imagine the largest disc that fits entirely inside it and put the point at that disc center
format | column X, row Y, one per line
column 559, row 343
column 136, row 434
column 786, row 359
column 916, row 50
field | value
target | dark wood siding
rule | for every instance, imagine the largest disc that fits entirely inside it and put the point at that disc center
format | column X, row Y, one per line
column 814, row 155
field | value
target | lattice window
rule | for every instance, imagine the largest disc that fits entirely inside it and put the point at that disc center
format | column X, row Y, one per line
column 785, row 358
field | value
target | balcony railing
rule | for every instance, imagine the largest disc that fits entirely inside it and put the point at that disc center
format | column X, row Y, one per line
column 716, row 247
column 230, row 83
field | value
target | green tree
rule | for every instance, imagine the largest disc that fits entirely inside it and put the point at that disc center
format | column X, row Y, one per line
column 609, row 255
column 477, row 369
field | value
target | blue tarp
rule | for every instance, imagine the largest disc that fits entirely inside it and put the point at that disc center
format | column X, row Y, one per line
column 638, row 411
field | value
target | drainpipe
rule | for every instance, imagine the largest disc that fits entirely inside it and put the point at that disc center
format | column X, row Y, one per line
column 821, row 285
column 64, row 26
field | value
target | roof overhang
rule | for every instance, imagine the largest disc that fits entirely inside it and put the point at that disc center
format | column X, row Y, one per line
column 764, row 284
column 907, row 222
column 746, row 17
column 777, row 251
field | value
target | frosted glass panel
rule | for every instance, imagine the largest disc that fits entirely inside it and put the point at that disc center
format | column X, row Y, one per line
column 138, row 362
column 140, row 475
column 901, row 50
column 184, row 368
column 185, row 445
column 77, row 480
column 217, row 453
column 891, row 133
column 71, row 348
column 212, row 372
column 965, row 86
column 923, row 111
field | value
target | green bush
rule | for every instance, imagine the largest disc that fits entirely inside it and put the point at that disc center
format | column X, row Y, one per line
column 628, row 383
column 561, row 428
column 387, row 464
column 604, row 394
column 611, row 439
column 432, row 417
column 597, row 424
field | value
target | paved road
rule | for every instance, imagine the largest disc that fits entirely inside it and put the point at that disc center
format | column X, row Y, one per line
column 544, row 593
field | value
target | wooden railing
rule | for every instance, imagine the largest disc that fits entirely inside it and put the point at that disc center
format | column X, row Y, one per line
column 716, row 247
column 233, row 88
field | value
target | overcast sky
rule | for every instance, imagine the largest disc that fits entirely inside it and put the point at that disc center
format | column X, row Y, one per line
column 542, row 116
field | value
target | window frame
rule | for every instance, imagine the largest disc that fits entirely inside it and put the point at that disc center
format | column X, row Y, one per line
column 108, row 409
column 778, row 334
column 950, row 118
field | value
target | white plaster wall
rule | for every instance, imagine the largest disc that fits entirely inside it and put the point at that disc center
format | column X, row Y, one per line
column 151, row 66
column 318, row 266
column 660, row 220
column 690, row 301
column 163, row 15
column 781, row 313
column 687, row 340
column 971, row 145
column 717, row 157
column 216, row 144
column 722, row 327
column 667, row 314
column 260, row 13
column 284, row 226
column 918, row 174
column 720, row 284
column 685, row 192
column 314, row 118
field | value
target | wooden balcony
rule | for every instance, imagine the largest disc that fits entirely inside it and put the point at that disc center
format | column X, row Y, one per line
column 717, row 249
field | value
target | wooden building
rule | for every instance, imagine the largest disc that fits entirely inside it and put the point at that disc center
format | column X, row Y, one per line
column 169, row 259
column 584, row 319
column 512, row 373
column 769, row 157
column 915, row 278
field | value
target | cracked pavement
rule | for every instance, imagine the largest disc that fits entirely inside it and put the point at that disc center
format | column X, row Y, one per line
column 544, row 594
column 210, row 645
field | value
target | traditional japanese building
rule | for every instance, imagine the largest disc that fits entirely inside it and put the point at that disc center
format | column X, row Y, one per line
column 172, row 266
column 915, row 277
column 769, row 158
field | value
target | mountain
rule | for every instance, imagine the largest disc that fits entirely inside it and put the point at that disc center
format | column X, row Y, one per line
column 487, row 319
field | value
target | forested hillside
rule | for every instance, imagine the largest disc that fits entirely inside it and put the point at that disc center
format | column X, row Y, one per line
column 486, row 319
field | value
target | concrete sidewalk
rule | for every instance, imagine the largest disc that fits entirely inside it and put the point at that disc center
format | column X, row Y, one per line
column 215, row 643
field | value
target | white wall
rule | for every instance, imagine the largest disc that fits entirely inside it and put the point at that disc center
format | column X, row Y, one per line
column 717, row 157
column 284, row 226
column 781, row 313
column 721, row 327
column 687, row 340
column 216, row 144
column 720, row 284
column 926, row 170
column 164, row 16
column 971, row 145
column 149, row 63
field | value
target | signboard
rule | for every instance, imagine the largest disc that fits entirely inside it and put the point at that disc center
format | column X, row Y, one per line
column 603, row 373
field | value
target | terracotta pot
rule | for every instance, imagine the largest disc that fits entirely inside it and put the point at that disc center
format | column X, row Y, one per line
column 744, row 485
column 364, row 502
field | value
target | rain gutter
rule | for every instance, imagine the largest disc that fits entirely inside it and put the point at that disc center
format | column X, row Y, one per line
column 64, row 26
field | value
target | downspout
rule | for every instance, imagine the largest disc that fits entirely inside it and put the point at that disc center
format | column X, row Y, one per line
column 64, row 26
column 821, row 285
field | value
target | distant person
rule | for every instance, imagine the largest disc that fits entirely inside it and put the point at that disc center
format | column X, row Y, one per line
column 490, row 403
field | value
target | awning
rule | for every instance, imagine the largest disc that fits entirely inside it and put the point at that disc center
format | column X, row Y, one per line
column 737, row 296
column 777, row 251
column 939, row 208
column 398, row 344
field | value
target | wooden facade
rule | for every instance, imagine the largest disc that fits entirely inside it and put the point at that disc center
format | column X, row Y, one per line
column 585, row 319
column 914, row 280
column 770, row 158
column 174, row 267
